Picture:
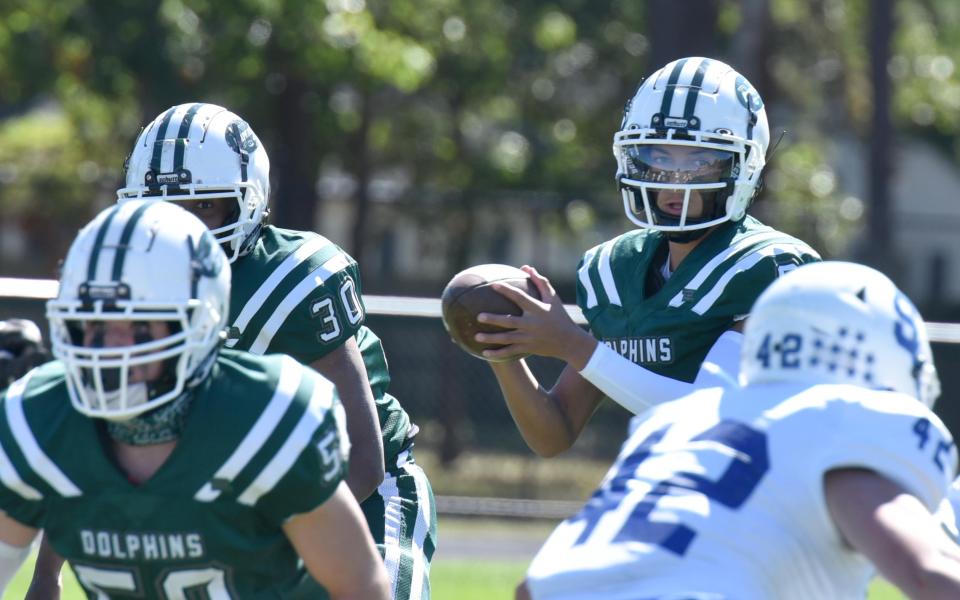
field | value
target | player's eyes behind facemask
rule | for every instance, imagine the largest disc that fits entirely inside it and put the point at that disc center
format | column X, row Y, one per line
column 122, row 361
column 677, row 164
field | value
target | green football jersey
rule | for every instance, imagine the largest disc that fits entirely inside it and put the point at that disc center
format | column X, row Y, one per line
column 262, row 442
column 670, row 330
column 298, row 293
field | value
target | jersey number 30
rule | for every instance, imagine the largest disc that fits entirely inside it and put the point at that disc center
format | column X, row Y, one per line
column 325, row 310
column 748, row 465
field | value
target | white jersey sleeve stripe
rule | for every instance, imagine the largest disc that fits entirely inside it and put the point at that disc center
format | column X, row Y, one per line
column 279, row 465
column 257, row 300
column 8, row 473
column 290, row 374
column 719, row 259
column 744, row 264
column 606, row 275
column 314, row 280
column 12, row 479
column 584, row 274
column 36, row 457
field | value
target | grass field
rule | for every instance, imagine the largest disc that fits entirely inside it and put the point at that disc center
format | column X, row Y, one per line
column 451, row 579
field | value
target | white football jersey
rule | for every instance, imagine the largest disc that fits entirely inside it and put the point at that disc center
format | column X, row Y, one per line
column 720, row 495
column 949, row 512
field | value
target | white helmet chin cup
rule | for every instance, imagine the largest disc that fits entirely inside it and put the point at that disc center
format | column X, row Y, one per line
column 693, row 103
column 139, row 261
column 839, row 322
column 204, row 151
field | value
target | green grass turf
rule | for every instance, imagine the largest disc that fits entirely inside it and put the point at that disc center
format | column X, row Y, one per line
column 496, row 580
column 450, row 580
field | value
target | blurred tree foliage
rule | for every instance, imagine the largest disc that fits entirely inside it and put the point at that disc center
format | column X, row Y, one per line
column 443, row 104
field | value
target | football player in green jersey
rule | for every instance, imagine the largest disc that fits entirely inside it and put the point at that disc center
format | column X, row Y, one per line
column 159, row 465
column 666, row 302
column 297, row 293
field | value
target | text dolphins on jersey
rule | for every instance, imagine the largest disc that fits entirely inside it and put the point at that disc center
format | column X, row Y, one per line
column 643, row 350
column 141, row 545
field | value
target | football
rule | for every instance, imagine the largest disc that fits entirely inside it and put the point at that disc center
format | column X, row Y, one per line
column 470, row 293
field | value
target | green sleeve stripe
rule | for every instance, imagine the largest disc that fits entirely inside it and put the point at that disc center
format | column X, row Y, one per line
column 315, row 279
column 584, row 274
column 743, row 264
column 320, row 402
column 290, row 374
column 36, row 457
column 606, row 275
column 259, row 298
column 719, row 259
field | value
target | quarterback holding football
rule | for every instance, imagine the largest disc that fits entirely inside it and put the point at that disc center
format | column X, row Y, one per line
column 666, row 298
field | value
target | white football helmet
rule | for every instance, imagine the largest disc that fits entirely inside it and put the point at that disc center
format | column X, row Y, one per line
column 694, row 126
column 139, row 261
column 839, row 322
column 200, row 150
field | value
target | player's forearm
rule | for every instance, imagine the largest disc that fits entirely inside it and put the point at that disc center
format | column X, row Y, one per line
column 579, row 345
column 375, row 590
column 365, row 475
column 936, row 578
column 541, row 421
column 45, row 584
column 344, row 367
column 366, row 450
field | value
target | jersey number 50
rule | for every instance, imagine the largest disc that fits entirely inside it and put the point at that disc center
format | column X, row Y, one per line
column 175, row 584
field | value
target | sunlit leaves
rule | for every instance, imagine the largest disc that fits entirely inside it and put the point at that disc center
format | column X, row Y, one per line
column 555, row 30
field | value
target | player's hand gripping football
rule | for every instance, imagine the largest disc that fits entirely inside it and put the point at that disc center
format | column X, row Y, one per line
column 544, row 328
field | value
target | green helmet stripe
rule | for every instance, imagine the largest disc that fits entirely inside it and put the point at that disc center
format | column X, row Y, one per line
column 182, row 135
column 694, row 90
column 671, row 84
column 158, row 141
column 121, row 251
column 98, row 244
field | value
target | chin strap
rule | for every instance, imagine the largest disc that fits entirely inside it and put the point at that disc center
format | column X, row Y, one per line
column 683, row 237
column 163, row 424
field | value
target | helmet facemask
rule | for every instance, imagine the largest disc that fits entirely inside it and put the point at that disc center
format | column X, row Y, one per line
column 101, row 378
column 239, row 231
column 711, row 125
column 684, row 184
column 139, row 316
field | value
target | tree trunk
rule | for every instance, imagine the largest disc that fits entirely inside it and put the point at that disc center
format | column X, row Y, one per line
column 679, row 29
column 752, row 45
column 294, row 161
column 360, row 158
column 878, row 251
